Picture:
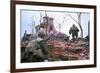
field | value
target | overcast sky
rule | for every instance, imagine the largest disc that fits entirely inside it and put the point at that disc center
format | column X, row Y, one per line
column 29, row 17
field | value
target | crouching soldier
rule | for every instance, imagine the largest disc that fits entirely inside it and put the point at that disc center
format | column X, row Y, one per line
column 43, row 46
column 74, row 31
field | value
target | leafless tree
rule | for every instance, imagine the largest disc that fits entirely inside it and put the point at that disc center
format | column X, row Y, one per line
column 78, row 22
column 60, row 24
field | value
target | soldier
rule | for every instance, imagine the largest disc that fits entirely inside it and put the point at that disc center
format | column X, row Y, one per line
column 74, row 31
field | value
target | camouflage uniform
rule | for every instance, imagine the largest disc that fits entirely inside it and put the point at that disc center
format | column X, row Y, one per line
column 74, row 31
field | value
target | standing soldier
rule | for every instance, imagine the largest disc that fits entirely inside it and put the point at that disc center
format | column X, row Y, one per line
column 74, row 31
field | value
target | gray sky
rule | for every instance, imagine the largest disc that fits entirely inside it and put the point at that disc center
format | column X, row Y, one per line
column 30, row 16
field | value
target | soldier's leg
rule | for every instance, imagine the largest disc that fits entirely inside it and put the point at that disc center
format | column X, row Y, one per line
column 73, row 36
column 76, row 35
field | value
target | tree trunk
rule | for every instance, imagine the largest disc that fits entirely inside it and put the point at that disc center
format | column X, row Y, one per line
column 79, row 23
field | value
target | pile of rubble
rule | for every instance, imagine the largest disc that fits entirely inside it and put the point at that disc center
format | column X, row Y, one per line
column 77, row 50
column 57, row 49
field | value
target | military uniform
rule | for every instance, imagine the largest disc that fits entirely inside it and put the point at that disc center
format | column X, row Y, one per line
column 74, row 31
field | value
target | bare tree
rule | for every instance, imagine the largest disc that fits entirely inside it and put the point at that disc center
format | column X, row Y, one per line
column 33, row 27
column 46, row 20
column 40, row 18
column 60, row 24
column 78, row 22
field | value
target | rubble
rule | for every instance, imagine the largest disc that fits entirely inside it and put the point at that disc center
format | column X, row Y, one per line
column 70, row 50
column 59, row 50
